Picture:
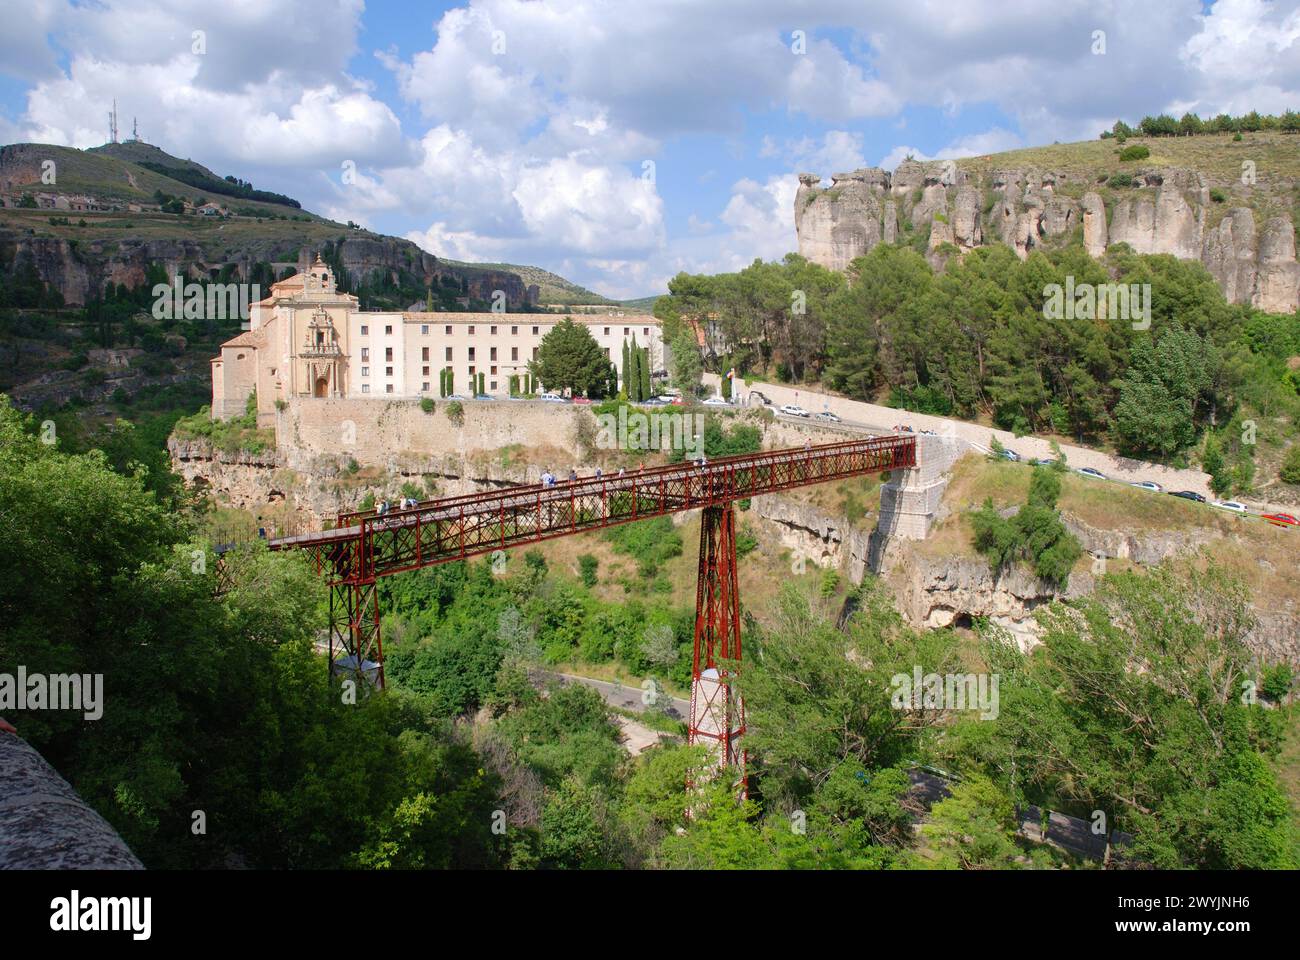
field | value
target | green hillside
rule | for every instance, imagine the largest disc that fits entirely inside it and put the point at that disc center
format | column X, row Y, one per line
column 552, row 287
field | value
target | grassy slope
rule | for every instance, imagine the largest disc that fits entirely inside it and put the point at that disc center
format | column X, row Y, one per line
column 552, row 287
column 1276, row 157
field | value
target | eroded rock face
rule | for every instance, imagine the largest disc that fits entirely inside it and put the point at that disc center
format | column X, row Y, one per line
column 844, row 221
column 1164, row 213
column 1277, row 289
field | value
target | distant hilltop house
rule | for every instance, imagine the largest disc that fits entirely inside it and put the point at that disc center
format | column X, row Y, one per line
column 306, row 340
column 70, row 203
column 213, row 210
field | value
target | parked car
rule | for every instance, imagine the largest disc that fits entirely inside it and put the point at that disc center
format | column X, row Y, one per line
column 1043, row 462
column 1282, row 520
column 793, row 410
column 1232, row 505
column 1187, row 495
column 484, row 396
column 653, row 402
column 1011, row 455
column 582, row 400
column 717, row 402
column 829, row 417
column 1147, row 485
column 457, row 396
column 552, row 398
column 1089, row 472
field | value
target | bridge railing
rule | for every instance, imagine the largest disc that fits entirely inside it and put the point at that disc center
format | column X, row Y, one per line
column 475, row 524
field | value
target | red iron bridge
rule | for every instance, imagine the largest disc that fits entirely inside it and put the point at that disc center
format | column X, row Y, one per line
column 364, row 546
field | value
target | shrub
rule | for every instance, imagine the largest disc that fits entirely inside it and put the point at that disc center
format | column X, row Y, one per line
column 1136, row 152
column 1290, row 472
column 456, row 412
column 426, row 404
column 587, row 566
column 1217, row 195
column 1120, row 180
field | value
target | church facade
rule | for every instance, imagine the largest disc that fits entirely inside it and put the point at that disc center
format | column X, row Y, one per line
column 307, row 340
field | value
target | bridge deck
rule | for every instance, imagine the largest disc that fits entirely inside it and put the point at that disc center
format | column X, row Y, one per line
column 366, row 545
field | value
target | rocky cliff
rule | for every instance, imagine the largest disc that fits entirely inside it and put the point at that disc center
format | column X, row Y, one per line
column 79, row 269
column 1155, row 210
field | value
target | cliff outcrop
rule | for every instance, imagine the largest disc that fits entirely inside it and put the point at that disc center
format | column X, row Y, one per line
column 1153, row 210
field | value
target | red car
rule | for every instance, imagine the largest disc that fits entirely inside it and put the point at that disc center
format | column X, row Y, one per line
column 581, row 400
column 1282, row 520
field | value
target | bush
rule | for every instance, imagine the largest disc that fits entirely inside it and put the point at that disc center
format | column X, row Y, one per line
column 1136, row 152
column 426, row 404
column 1217, row 195
column 456, row 412
column 1290, row 472
column 587, row 566
column 1120, row 180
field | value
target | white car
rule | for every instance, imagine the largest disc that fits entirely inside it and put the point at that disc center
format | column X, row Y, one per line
column 552, row 398
column 1147, row 485
column 1232, row 505
column 717, row 402
column 829, row 417
column 793, row 410
column 1089, row 472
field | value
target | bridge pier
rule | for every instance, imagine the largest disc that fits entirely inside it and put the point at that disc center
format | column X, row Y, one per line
column 717, row 710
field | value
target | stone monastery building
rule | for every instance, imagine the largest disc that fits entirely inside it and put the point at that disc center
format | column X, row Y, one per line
column 307, row 340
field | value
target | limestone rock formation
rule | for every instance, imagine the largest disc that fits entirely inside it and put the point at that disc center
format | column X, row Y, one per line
column 1164, row 211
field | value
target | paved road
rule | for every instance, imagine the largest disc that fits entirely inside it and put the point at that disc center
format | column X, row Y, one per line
column 858, row 415
column 624, row 696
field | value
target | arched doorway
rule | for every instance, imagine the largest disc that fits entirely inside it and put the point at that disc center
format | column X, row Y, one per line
column 322, row 387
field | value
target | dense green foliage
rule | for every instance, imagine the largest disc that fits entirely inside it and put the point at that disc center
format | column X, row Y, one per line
column 569, row 358
column 1035, row 534
column 212, row 706
column 978, row 340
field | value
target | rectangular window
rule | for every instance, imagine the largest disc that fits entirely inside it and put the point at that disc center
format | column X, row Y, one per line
column 514, row 331
column 626, row 331
column 425, row 386
column 365, row 388
column 471, row 353
column 424, row 371
column 492, row 330
column 471, row 371
column 365, row 371
column 607, row 353
column 448, row 352
column 494, row 354
column 388, row 371
column 645, row 331
column 447, row 330
column 365, row 330
column 514, row 353
column 493, row 371
column 388, row 353
column 388, row 388
column 424, row 353
column 424, row 332
column 365, row 354
column 388, row 330
column 493, row 385
column 534, row 331
column 471, row 329
column 607, row 331
column 534, row 353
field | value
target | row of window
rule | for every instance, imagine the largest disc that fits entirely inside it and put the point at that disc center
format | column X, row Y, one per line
column 424, row 354
column 424, row 387
column 514, row 330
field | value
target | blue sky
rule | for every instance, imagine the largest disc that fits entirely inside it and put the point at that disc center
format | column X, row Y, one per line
column 616, row 143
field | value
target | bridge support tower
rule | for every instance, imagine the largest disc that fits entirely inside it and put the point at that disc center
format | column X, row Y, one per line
column 717, row 710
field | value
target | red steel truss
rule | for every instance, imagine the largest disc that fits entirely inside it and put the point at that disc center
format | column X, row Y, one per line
column 717, row 712
column 364, row 546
